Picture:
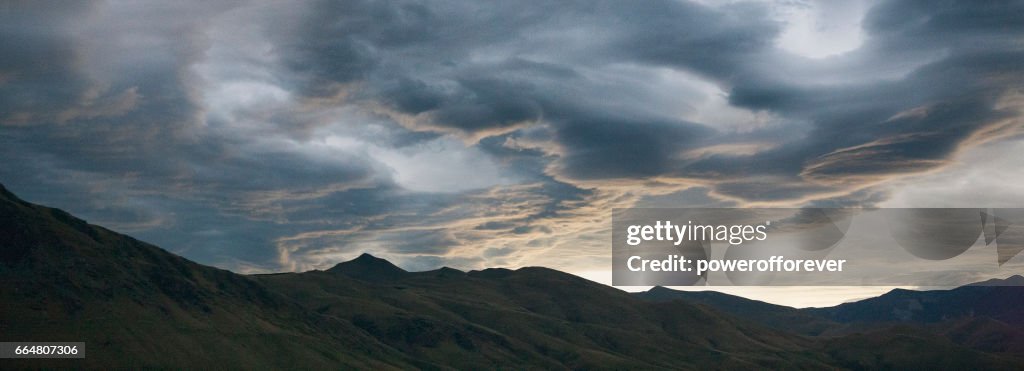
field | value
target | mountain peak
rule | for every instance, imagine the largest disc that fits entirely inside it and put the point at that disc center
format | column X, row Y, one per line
column 367, row 267
column 367, row 257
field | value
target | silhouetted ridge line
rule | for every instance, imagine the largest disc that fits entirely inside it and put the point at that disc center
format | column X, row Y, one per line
column 66, row 279
column 1015, row 280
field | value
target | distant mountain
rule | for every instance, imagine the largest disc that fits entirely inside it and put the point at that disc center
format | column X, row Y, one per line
column 771, row 315
column 993, row 299
column 138, row 306
column 987, row 316
column 1016, row 280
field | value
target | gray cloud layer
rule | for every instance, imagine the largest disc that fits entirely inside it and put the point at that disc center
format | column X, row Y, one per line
column 264, row 135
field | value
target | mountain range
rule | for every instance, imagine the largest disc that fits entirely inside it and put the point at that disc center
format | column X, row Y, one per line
column 139, row 306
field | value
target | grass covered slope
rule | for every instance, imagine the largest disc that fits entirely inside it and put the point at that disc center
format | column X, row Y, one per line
column 136, row 306
column 985, row 318
column 534, row 316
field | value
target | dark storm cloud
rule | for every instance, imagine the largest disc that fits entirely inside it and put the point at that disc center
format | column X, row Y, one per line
column 507, row 86
column 40, row 70
column 127, row 114
column 723, row 44
column 603, row 147
column 863, row 131
column 476, row 104
column 97, row 122
column 419, row 58
column 842, row 135
column 150, row 166
column 948, row 23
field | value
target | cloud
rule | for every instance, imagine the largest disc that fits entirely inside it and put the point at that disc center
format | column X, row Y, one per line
column 271, row 136
column 40, row 75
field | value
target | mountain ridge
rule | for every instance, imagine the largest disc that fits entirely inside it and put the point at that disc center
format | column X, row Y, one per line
column 139, row 306
column 986, row 317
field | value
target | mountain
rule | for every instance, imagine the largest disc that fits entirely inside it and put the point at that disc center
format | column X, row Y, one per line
column 986, row 316
column 537, row 316
column 367, row 267
column 138, row 306
column 771, row 315
column 1016, row 280
column 997, row 299
column 992, row 299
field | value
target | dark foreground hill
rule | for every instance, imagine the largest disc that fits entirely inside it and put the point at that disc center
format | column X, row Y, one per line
column 137, row 306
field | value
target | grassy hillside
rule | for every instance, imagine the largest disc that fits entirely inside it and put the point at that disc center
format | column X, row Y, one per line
column 534, row 316
column 138, row 306
column 983, row 317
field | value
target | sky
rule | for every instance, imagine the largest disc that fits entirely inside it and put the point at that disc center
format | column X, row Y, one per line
column 266, row 136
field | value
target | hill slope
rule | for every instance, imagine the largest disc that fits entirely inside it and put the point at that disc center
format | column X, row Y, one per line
column 996, row 299
column 776, row 316
column 987, row 316
column 540, row 317
column 136, row 305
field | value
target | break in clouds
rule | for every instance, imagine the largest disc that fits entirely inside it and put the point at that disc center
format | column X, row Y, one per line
column 266, row 136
